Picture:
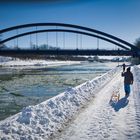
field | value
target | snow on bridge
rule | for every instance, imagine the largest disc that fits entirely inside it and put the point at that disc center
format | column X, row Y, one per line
column 82, row 113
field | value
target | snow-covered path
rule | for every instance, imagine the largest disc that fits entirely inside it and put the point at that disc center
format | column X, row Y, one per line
column 99, row 120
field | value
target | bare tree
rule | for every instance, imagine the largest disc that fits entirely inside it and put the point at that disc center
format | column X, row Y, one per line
column 137, row 42
column 1, row 45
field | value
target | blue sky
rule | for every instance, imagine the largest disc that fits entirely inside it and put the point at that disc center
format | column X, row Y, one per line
column 116, row 17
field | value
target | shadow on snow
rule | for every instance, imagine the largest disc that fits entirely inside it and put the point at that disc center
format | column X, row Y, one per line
column 123, row 102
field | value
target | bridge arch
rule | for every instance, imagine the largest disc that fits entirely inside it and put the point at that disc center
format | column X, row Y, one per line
column 64, row 30
column 85, row 30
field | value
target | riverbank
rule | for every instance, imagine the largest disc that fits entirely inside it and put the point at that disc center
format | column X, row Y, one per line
column 24, row 64
column 45, row 119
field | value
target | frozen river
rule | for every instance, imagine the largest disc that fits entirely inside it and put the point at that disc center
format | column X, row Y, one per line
column 20, row 88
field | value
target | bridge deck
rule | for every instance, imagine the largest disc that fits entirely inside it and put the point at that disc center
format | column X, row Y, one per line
column 66, row 52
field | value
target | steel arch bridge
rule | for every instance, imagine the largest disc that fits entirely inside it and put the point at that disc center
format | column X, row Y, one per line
column 128, row 48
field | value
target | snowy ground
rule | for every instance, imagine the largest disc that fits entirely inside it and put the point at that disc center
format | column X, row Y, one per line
column 23, row 64
column 82, row 113
column 100, row 120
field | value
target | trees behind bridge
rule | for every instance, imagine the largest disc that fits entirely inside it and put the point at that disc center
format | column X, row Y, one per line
column 137, row 43
column 136, row 60
column 1, row 45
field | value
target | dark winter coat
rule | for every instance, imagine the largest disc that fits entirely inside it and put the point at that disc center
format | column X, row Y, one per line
column 128, row 77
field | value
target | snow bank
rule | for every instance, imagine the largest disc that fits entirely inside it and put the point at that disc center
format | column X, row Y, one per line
column 4, row 59
column 43, row 120
column 136, row 71
column 21, row 63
